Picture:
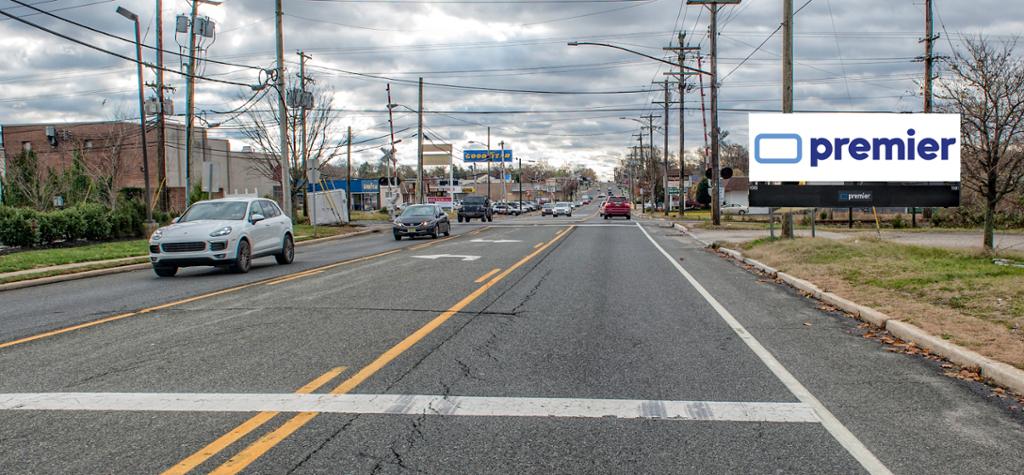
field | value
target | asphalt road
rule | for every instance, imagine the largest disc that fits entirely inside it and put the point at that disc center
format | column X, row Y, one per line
column 536, row 345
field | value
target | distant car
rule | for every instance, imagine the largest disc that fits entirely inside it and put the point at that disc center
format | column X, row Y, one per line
column 734, row 208
column 227, row 232
column 474, row 206
column 616, row 206
column 513, row 209
column 421, row 220
column 601, row 197
column 547, row 208
column 500, row 208
column 562, row 208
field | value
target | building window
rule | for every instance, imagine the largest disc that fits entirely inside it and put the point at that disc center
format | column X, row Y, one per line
column 88, row 144
column 26, row 146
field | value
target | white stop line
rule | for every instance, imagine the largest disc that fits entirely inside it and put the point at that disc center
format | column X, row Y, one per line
column 416, row 405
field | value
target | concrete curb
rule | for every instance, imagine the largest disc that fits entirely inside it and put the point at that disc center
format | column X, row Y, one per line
column 688, row 233
column 997, row 372
column 21, row 284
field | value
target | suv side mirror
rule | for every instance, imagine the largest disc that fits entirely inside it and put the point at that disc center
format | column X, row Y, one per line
column 255, row 218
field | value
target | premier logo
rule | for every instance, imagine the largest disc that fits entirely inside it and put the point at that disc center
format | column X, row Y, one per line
column 787, row 148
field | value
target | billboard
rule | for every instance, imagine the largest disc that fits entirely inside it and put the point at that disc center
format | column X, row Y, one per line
column 851, row 147
column 480, row 156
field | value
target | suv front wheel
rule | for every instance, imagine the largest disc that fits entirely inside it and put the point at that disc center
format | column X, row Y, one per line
column 165, row 271
column 287, row 254
column 244, row 260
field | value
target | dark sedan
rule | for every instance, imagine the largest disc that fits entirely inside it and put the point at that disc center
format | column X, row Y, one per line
column 421, row 220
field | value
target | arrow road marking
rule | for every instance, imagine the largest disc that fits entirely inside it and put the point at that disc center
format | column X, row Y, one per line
column 455, row 256
column 495, row 240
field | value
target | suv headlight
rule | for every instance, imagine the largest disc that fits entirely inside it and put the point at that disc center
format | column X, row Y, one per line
column 221, row 232
column 159, row 233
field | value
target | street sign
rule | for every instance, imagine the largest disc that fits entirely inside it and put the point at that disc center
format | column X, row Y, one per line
column 481, row 156
column 673, row 187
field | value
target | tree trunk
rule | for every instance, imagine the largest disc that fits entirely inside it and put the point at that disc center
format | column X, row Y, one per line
column 990, row 218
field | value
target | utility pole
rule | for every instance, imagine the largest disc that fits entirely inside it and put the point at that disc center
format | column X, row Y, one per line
column 419, row 158
column 190, row 106
column 160, row 150
column 716, row 177
column 787, row 56
column 929, row 37
column 305, row 151
column 348, row 174
column 489, row 158
column 664, row 154
column 787, row 95
column 286, row 178
column 504, row 189
column 150, row 226
column 681, row 55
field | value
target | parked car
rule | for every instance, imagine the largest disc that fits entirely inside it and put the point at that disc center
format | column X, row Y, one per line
column 734, row 208
column 616, row 206
column 421, row 220
column 547, row 208
column 513, row 208
column 500, row 208
column 563, row 208
column 227, row 232
column 474, row 206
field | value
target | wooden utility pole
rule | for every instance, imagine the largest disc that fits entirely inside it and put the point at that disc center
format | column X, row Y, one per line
column 419, row 148
column 305, row 151
column 664, row 153
column 787, row 89
column 161, row 158
column 190, row 91
column 681, row 77
column 716, row 177
column 348, row 173
column 282, row 108
column 929, row 37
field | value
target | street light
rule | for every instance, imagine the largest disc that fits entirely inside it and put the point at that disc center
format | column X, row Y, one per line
column 142, row 110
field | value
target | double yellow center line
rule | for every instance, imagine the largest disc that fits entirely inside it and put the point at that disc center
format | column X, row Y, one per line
column 255, row 450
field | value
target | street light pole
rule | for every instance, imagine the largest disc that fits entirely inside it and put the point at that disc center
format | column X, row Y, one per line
column 142, row 110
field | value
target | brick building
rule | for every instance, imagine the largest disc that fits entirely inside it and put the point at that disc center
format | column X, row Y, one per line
column 114, row 145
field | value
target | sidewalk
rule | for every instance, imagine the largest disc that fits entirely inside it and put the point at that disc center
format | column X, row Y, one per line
column 76, row 265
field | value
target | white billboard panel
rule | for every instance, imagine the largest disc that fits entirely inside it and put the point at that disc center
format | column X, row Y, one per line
column 850, row 147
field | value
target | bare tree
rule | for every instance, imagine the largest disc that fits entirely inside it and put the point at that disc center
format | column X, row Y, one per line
column 324, row 137
column 105, row 162
column 986, row 87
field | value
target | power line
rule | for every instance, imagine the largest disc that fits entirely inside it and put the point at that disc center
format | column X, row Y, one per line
column 758, row 48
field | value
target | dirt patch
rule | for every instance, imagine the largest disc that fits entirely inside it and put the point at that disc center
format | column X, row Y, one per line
column 957, row 295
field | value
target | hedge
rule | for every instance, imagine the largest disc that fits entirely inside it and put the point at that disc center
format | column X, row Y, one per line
column 25, row 227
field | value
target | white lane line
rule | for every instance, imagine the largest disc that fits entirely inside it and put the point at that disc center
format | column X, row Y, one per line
column 415, row 404
column 559, row 224
column 834, row 427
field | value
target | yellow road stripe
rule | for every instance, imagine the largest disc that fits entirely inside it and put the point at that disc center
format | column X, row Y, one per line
column 488, row 274
column 328, row 267
column 267, row 442
column 431, row 243
column 245, row 428
column 539, row 244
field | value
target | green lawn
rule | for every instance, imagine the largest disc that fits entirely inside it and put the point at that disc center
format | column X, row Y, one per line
column 32, row 259
column 962, row 294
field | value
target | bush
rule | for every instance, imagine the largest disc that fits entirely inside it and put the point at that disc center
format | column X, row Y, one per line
column 898, row 222
column 19, row 227
column 127, row 220
column 53, row 226
column 96, row 221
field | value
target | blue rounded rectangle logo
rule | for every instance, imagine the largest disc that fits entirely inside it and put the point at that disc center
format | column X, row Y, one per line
column 778, row 148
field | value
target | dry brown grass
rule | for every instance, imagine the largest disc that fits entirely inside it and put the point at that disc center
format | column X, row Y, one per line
column 958, row 295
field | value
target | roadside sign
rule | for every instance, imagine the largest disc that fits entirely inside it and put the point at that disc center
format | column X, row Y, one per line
column 481, row 156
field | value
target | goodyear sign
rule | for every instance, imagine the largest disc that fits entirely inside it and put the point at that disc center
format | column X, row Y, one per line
column 481, row 156
column 849, row 147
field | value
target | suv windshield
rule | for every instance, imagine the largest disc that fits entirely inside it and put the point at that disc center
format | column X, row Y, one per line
column 419, row 210
column 229, row 210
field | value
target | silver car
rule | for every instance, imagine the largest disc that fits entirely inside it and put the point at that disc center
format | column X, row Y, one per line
column 562, row 208
column 228, row 232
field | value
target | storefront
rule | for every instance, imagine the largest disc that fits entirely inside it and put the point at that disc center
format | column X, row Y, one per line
column 365, row 192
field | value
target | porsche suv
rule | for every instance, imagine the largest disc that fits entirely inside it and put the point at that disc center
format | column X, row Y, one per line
column 228, row 232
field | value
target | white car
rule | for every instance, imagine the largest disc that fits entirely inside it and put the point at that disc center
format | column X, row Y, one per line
column 734, row 208
column 228, row 232
column 561, row 208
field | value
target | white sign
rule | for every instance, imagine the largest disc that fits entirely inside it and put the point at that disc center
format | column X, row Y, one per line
column 855, row 147
column 438, row 256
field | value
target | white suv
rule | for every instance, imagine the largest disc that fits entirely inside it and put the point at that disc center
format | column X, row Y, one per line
column 228, row 232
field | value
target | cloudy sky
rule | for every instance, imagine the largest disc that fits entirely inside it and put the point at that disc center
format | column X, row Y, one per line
column 851, row 55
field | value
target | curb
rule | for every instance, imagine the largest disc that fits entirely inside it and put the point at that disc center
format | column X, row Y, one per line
column 997, row 372
column 21, row 284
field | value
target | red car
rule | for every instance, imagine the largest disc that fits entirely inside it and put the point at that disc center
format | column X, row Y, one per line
column 615, row 206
